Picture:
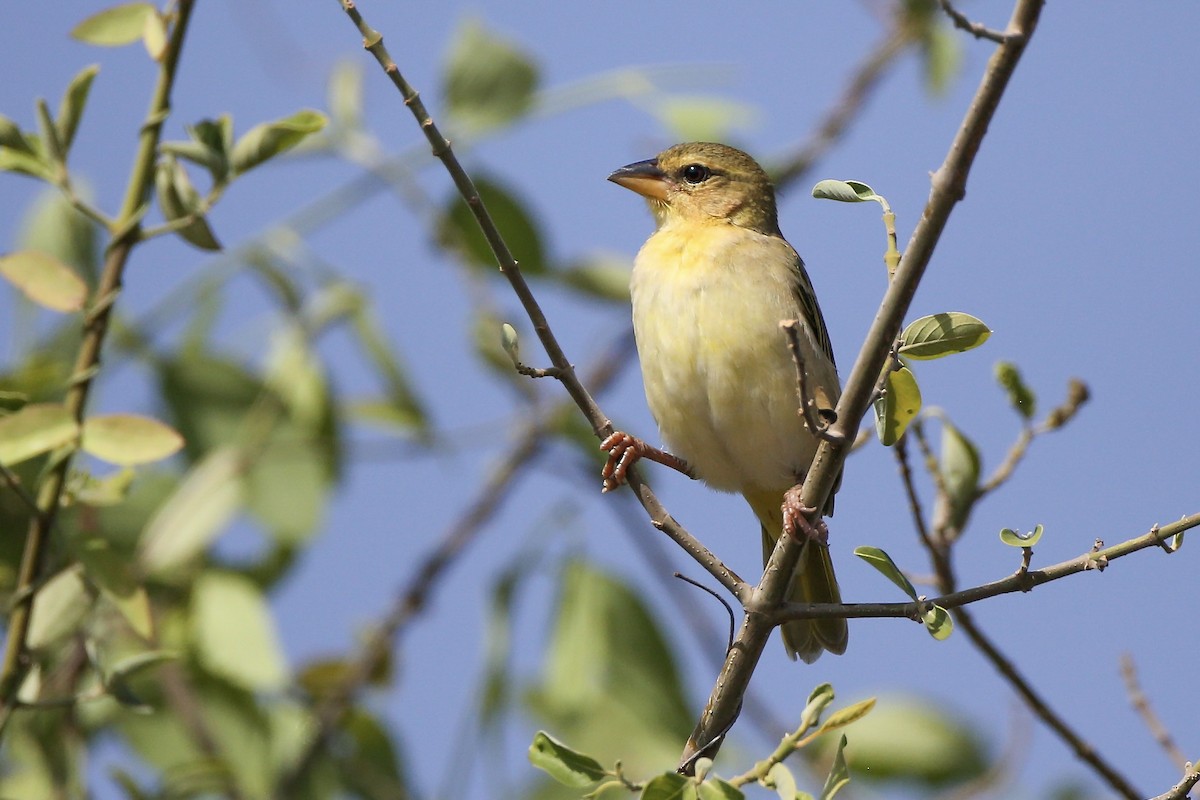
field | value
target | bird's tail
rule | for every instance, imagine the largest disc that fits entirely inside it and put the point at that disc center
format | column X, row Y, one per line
column 813, row 582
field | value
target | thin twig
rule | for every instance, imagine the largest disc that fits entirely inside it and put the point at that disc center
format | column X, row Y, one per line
column 601, row 426
column 1141, row 704
column 949, row 186
column 1060, row 415
column 976, row 29
column 719, row 599
column 87, row 360
column 14, row 483
column 1181, row 790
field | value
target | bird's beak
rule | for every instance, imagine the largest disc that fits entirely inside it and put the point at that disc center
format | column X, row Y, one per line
column 643, row 177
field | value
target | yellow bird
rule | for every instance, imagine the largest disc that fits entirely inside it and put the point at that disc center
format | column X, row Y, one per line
column 710, row 288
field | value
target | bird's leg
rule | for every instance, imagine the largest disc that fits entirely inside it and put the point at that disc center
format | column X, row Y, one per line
column 796, row 518
column 624, row 451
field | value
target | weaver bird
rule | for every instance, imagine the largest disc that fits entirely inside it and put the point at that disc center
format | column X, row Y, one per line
column 710, row 288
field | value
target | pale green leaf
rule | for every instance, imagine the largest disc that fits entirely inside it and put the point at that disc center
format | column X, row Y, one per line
column 269, row 139
column 897, row 406
column 55, row 227
column 844, row 191
column 818, row 699
column 668, row 786
column 565, row 765
column 129, row 666
column 510, row 342
column 70, row 109
column 195, row 514
column 35, row 429
column 59, row 606
column 154, row 36
column 234, row 632
column 487, row 80
column 603, row 277
column 128, row 439
column 116, row 26
column 943, row 334
column 345, row 95
column 178, row 198
column 781, row 779
column 458, row 230
column 717, row 789
column 938, row 622
column 44, row 280
column 11, row 136
column 33, row 164
column 960, row 467
column 844, row 716
column 1017, row 539
column 703, row 118
column 883, row 562
column 839, row 772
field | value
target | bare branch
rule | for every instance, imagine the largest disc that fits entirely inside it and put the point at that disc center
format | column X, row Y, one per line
column 1141, row 704
column 976, row 29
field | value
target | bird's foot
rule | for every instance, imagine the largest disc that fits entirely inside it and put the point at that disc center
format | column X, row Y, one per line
column 623, row 452
column 797, row 516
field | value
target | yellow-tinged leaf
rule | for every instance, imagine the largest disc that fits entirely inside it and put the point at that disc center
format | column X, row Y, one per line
column 154, row 35
column 45, row 280
column 844, row 716
column 235, row 633
column 34, row 430
column 900, row 402
column 116, row 26
column 58, row 607
column 129, row 439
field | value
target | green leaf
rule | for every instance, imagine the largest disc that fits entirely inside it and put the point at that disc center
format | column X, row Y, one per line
column 565, row 765
column 195, row 515
column 131, row 665
column 510, row 343
column 55, row 227
column 234, row 632
column 209, row 146
column 896, row 407
column 107, row 490
column 11, row 136
column 839, row 773
column 154, row 36
column 487, row 80
column 703, row 118
column 818, row 700
column 178, row 198
column 939, row 335
column 716, row 789
column 883, row 562
column 70, row 109
column 603, row 277
column 943, row 56
column 36, row 429
column 781, row 779
column 45, row 280
column 1020, row 396
column 269, row 139
column 457, row 229
column 1016, row 539
column 844, row 716
column 844, row 191
column 59, row 607
column 35, row 164
column 938, row 622
column 115, row 26
column 128, row 439
column 668, row 786
column 960, row 468
column 917, row 741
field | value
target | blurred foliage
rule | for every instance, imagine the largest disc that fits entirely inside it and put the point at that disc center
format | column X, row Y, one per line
column 146, row 635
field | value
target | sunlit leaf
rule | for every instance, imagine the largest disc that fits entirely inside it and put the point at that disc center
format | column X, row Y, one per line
column 703, row 118
column 960, row 468
column 883, row 562
column 716, row 789
column 668, row 786
column 1017, row 539
column 55, row 227
column 116, row 26
column 781, row 779
column 59, row 606
column 234, row 632
column 605, row 278
column 487, row 80
column 943, row 334
column 154, row 36
column 34, row 164
column 938, row 622
column 129, row 439
column 818, row 699
column 844, row 191
column 195, row 515
column 35, row 429
column 844, row 716
column 897, row 406
column 269, row 139
column 565, row 765
column 70, row 109
column 45, row 280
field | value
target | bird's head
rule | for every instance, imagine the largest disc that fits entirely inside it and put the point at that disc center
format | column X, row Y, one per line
column 702, row 182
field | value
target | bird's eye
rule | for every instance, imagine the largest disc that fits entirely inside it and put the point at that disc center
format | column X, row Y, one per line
column 696, row 173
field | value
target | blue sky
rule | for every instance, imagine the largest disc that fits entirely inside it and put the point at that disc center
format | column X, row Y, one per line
column 1076, row 243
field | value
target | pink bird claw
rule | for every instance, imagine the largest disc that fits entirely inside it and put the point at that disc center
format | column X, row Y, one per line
column 797, row 519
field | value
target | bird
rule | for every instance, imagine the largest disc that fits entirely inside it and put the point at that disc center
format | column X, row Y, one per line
column 710, row 289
